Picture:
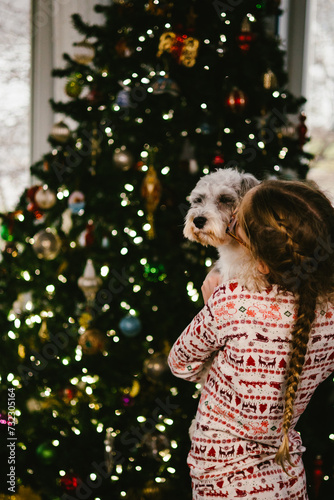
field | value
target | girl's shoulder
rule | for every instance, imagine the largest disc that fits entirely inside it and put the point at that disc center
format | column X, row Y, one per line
column 234, row 288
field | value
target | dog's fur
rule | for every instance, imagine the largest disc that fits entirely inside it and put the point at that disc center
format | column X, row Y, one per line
column 213, row 201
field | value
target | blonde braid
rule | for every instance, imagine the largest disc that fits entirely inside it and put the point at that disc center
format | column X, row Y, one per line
column 300, row 338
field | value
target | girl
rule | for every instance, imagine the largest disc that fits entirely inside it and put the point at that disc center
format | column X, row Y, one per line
column 272, row 349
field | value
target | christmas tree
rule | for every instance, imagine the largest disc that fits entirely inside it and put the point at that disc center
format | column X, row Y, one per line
column 97, row 280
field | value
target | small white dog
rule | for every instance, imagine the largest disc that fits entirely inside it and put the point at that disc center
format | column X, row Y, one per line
column 213, row 201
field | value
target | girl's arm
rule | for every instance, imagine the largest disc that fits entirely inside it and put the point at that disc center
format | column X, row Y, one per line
column 195, row 345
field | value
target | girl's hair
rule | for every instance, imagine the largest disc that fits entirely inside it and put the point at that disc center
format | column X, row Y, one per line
column 290, row 226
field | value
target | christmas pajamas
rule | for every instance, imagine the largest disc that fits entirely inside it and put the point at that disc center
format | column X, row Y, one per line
column 239, row 418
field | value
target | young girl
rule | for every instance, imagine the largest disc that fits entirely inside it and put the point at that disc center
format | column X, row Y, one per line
column 272, row 349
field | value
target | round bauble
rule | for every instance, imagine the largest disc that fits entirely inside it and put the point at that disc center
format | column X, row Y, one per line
column 165, row 85
column 130, row 326
column 60, row 132
column 74, row 85
column 123, row 99
column 155, row 367
column 84, row 52
column 46, row 453
column 123, row 159
column 45, row 198
column 76, row 202
column 156, row 445
column 92, row 341
column 47, row 244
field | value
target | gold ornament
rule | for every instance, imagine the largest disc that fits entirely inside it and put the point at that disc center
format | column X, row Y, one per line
column 21, row 350
column 84, row 52
column 85, row 319
column 134, row 390
column 92, row 341
column 151, row 191
column 269, row 80
column 60, row 132
column 24, row 493
column 166, row 42
column 43, row 331
column 189, row 52
column 184, row 48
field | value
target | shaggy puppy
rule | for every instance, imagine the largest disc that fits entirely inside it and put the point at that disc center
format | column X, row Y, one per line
column 213, row 201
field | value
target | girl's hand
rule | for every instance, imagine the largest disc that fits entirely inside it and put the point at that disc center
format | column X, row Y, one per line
column 212, row 280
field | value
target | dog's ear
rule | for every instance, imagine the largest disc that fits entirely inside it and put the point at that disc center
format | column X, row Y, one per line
column 247, row 182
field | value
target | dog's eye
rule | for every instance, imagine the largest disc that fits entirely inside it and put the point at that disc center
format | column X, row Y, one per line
column 225, row 199
column 198, row 200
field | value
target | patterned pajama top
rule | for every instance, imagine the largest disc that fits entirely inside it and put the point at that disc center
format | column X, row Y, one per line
column 240, row 413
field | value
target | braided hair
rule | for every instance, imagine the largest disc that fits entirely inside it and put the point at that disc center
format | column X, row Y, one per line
column 290, row 226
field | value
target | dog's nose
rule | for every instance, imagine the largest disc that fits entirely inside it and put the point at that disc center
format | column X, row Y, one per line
column 199, row 222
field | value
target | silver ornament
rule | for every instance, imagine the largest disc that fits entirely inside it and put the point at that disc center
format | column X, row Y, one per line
column 89, row 282
column 123, row 159
column 46, row 244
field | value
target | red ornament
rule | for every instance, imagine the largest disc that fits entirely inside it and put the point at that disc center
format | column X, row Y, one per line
column 122, row 48
column 246, row 36
column 31, row 192
column 178, row 45
column 32, row 205
column 70, row 482
column 318, row 475
column 34, row 208
column 94, row 97
column 236, row 100
column 218, row 160
column 89, row 236
column 68, row 393
column 302, row 130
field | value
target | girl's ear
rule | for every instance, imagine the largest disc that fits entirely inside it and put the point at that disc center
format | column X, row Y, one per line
column 262, row 267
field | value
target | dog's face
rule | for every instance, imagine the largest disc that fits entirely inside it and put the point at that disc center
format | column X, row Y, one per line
column 213, row 201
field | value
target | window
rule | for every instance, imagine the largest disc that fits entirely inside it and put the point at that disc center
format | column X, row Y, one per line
column 15, row 53
column 319, row 90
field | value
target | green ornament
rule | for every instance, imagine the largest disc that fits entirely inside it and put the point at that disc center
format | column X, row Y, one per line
column 74, row 85
column 46, row 453
column 4, row 232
